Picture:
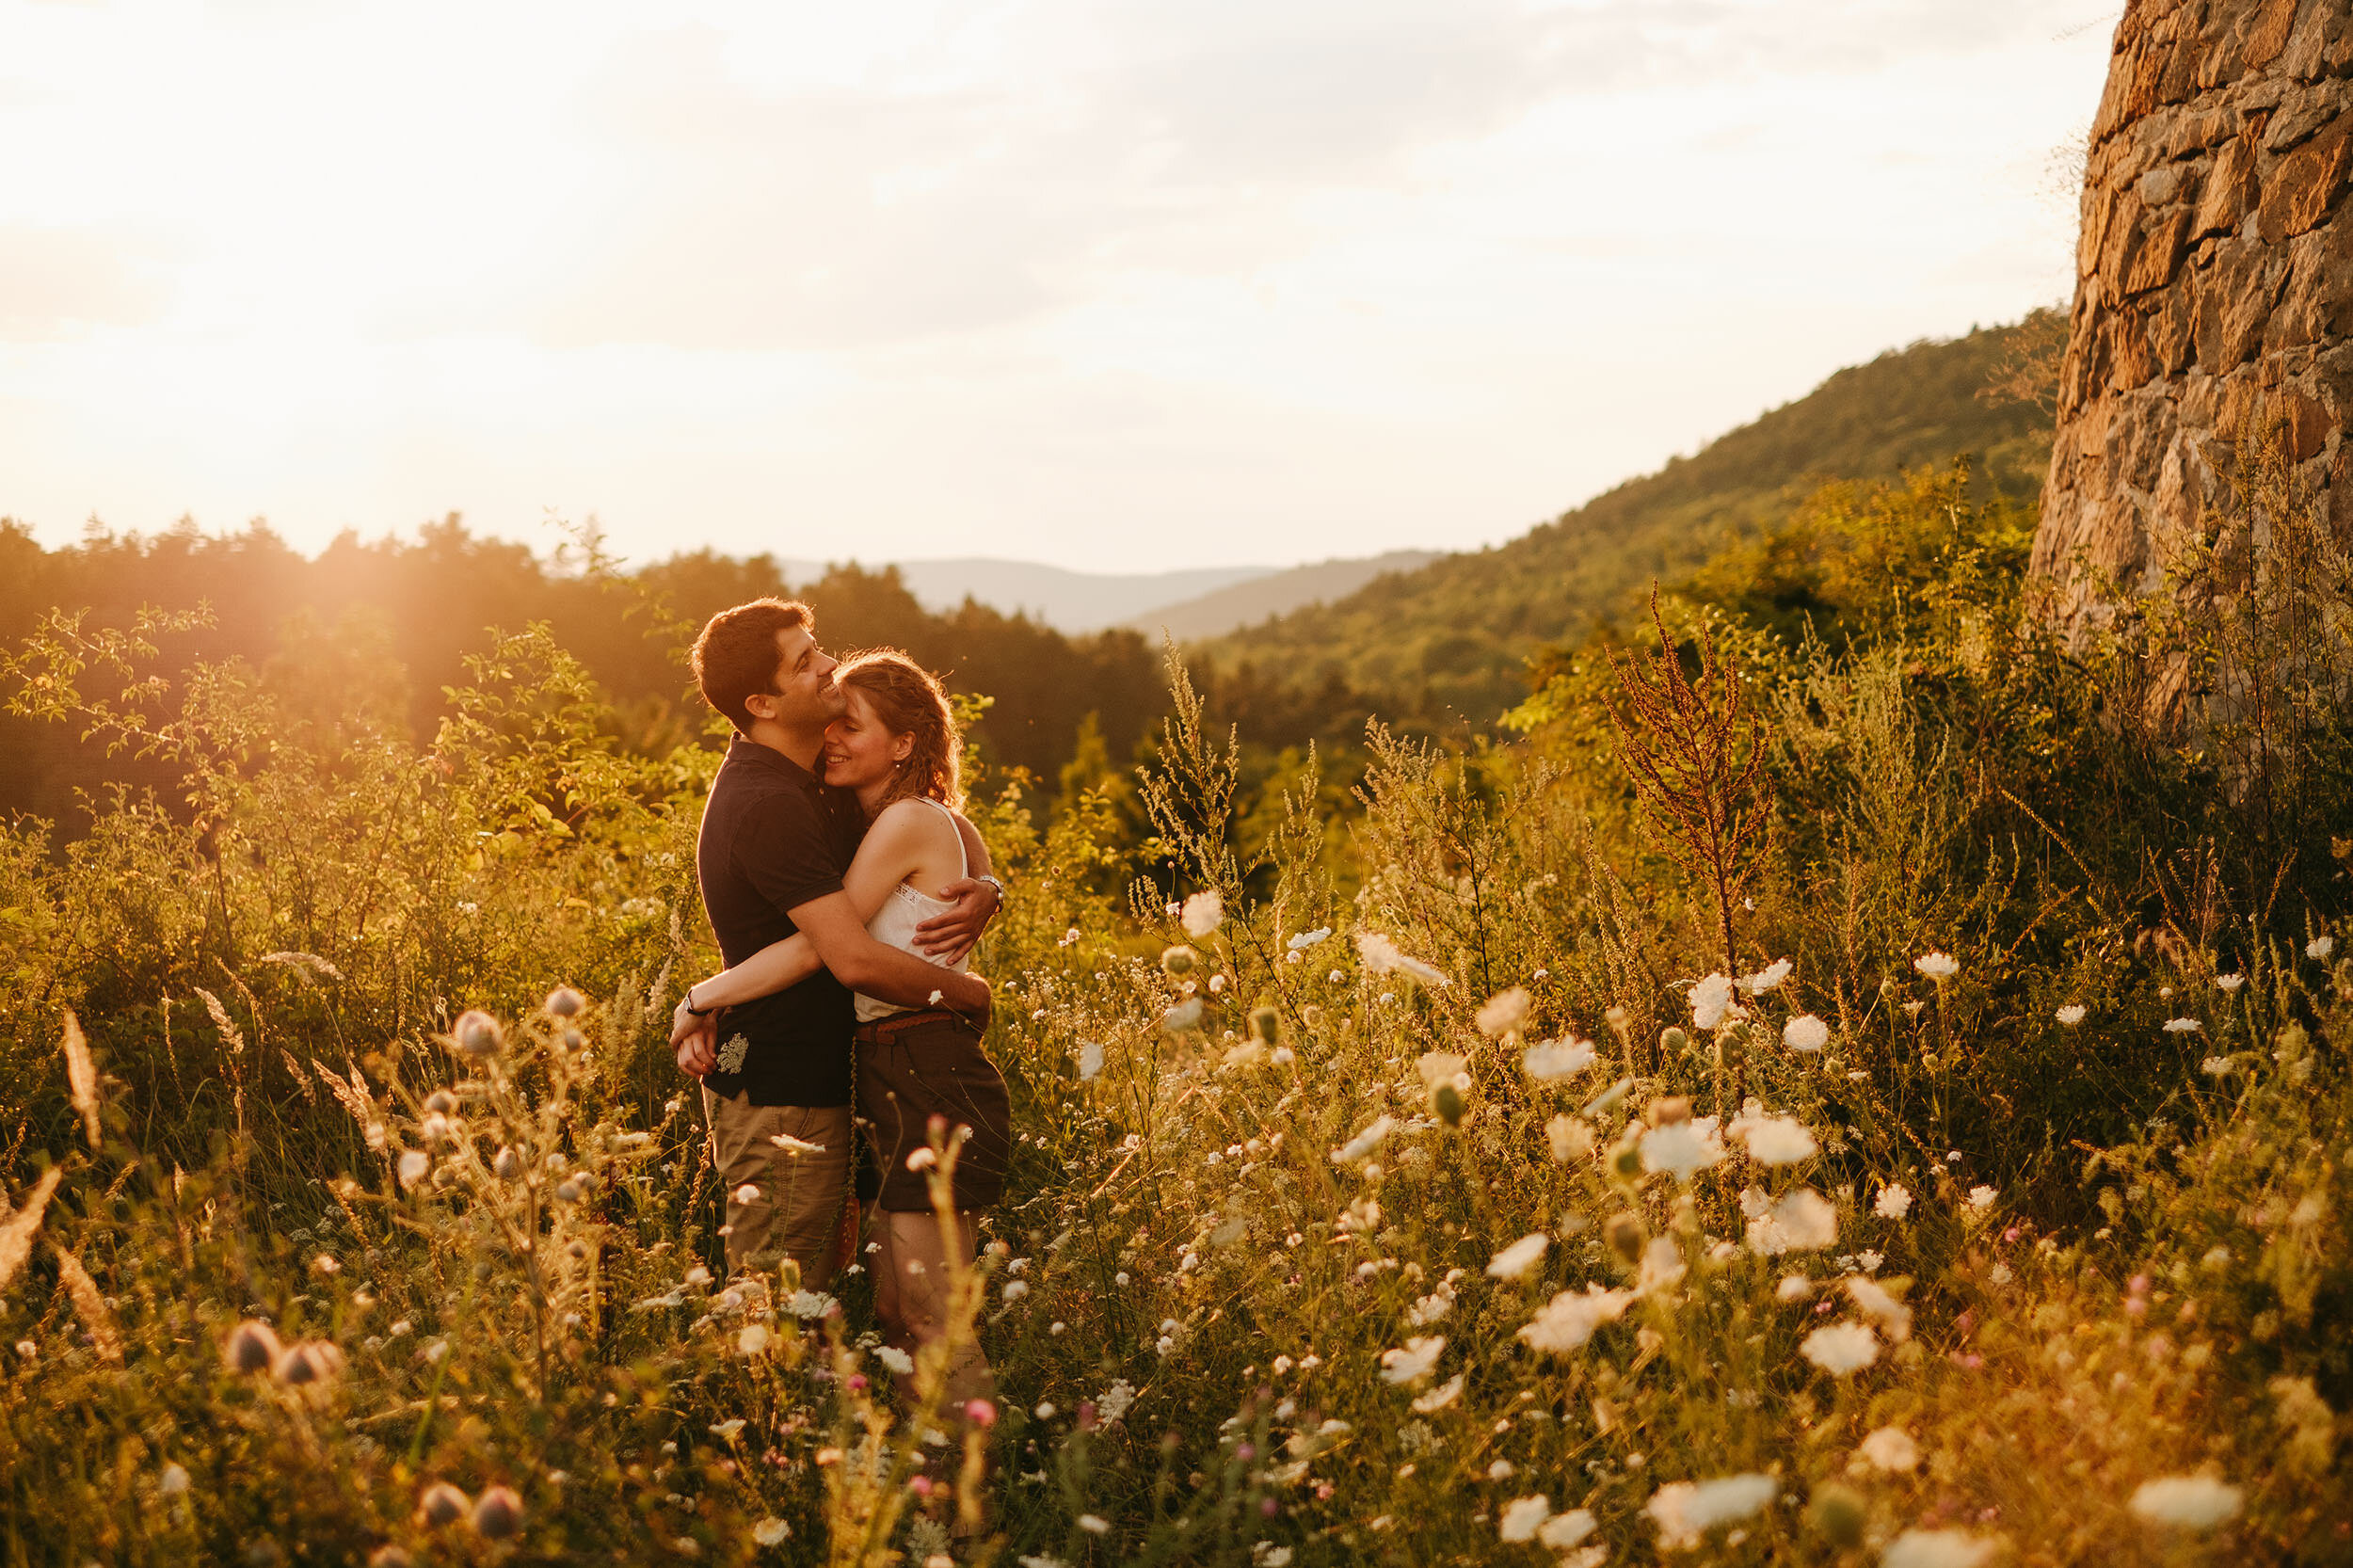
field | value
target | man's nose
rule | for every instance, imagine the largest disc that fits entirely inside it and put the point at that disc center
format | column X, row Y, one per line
column 827, row 663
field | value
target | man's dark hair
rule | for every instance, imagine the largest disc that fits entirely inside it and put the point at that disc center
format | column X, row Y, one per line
column 736, row 656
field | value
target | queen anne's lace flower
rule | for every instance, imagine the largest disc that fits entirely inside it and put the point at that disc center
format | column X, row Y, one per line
column 2187, row 1502
column 1839, row 1349
column 1517, row 1258
column 1712, row 1004
column 1937, row 1549
column 1504, row 1013
column 1381, row 956
column 1415, row 1362
column 1937, row 965
column 1803, row 1221
column 1203, row 913
column 1523, row 1517
column 1568, row 1321
column 1890, row 1448
column 1558, row 1058
column 1682, row 1147
column 1684, row 1510
column 1805, row 1033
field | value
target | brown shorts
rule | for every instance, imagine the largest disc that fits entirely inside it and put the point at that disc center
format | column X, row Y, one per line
column 912, row 1067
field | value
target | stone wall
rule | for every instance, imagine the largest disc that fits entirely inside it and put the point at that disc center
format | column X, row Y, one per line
column 2214, row 282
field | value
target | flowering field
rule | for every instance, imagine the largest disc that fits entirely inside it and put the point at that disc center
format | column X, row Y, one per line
column 1842, row 1098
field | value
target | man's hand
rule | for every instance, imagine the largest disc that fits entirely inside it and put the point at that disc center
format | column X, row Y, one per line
column 948, row 937
column 694, row 1041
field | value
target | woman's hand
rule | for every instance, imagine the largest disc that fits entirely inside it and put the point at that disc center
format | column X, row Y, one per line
column 946, row 938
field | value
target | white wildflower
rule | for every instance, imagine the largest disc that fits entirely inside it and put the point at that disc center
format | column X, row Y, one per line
column 2187, row 1502
column 413, row 1165
column 1563, row 1530
column 754, row 1339
column 1570, row 1138
column 900, row 1363
column 2320, row 947
column 2182, row 1026
column 1305, row 939
column 1876, row 1302
column 771, row 1532
column 1517, row 1258
column 1938, row 967
column 1094, row 1524
column 1440, row 1397
column 1504, row 1013
column 1712, row 1004
column 2217, row 1067
column 1662, row 1266
column 1839, row 1349
column 1364, row 1141
column 1805, row 1033
column 1183, row 1018
column 1558, row 1058
column 1203, row 913
column 1981, row 1197
column 2230, row 981
column 1767, row 978
column 1523, row 1517
column 1793, row 1287
column 1803, row 1221
column 1686, row 1510
column 1937, row 1549
column 1415, row 1362
column 1569, row 1320
column 1090, row 1060
column 1777, row 1139
column 1381, row 956
column 1890, row 1448
column 2071, row 1015
column 1682, row 1147
column 1895, row 1202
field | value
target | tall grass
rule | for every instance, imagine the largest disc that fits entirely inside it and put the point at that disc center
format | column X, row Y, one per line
column 1392, row 1205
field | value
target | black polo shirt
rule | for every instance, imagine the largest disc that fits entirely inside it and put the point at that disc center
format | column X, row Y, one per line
column 773, row 838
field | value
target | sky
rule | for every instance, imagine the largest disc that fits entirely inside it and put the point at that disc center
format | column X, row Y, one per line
column 1109, row 285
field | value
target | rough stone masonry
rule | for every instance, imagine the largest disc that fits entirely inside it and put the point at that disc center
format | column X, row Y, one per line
column 2214, row 283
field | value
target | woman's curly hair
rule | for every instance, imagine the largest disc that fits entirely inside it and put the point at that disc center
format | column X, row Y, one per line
column 910, row 701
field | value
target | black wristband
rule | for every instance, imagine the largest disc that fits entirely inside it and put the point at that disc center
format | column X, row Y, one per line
column 694, row 1012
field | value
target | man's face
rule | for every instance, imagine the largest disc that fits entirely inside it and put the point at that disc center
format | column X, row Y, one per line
column 806, row 698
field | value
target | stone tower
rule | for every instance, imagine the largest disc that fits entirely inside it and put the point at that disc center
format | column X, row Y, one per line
column 2213, row 281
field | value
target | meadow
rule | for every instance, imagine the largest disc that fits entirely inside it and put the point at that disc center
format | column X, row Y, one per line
column 1840, row 1077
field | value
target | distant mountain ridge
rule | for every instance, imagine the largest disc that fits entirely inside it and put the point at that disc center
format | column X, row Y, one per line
column 1069, row 601
column 1453, row 636
column 1247, row 602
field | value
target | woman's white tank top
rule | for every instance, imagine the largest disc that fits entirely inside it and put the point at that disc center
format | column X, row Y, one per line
column 894, row 923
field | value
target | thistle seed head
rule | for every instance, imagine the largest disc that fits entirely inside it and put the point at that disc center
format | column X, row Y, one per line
column 477, row 1033
column 253, row 1346
column 442, row 1504
column 498, row 1513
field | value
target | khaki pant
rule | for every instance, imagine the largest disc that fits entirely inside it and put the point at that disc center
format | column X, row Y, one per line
column 793, row 1208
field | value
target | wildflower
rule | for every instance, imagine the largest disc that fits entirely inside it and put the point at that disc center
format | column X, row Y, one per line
column 2217, row 1067
column 771, row 1532
column 1305, row 940
column 1094, row 1524
column 1524, row 1516
column 1183, row 1018
column 1939, row 966
column 1016, row 1288
column 1364, row 1141
column 1889, row 1448
column 1379, row 955
column 476, row 1033
column 498, row 1513
column 2071, row 1015
column 1839, row 1349
column 2182, row 1026
column 173, row 1482
column 1712, row 1004
column 1805, row 1033
column 2230, row 981
column 1793, row 1287
column 1115, row 1401
column 1569, row 1320
column 1069, row 938
column 1202, row 914
column 1517, row 1258
column 1802, row 1222
column 1415, row 1362
column 442, row 1504
column 1682, row 1146
column 412, row 1167
column 1894, row 1203
column 2185, row 1503
column 1558, row 1058
column 896, row 1359
column 1776, row 1140
column 1570, row 1138
column 1767, row 978
column 793, row 1146
column 1981, row 1197
column 564, row 1003
column 1504, row 1013
column 1876, row 1302
column 754, row 1340
column 1503, row 1469
column 1684, row 1510
column 2320, row 947
column 1440, row 1397
column 1662, row 1266
column 1180, row 961
column 1937, row 1549
column 1563, row 1530
column 252, row 1346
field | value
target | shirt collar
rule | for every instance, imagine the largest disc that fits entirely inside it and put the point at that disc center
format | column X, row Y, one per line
column 748, row 753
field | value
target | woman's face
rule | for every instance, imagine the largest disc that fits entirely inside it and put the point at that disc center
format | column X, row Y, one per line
column 859, row 748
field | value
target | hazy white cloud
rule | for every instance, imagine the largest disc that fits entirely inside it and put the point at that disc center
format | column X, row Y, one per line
column 1275, row 279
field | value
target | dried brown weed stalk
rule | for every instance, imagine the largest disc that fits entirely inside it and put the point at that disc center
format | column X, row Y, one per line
column 1696, row 753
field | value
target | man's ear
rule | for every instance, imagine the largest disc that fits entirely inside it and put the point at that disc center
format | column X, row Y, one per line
column 762, row 705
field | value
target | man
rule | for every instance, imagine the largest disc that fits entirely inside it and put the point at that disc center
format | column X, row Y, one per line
column 774, row 845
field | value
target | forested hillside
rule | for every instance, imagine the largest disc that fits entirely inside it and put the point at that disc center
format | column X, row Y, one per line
column 1452, row 639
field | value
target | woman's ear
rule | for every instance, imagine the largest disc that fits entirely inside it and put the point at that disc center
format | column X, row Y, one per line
column 902, row 748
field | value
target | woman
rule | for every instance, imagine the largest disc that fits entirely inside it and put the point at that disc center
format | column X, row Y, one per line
column 895, row 746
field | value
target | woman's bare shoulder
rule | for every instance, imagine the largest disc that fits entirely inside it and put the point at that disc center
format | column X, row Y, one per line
column 916, row 822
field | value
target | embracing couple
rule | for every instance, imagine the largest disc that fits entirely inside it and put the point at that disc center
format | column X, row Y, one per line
column 846, row 892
